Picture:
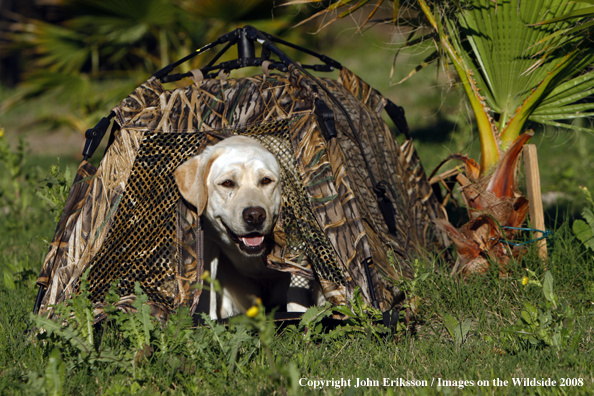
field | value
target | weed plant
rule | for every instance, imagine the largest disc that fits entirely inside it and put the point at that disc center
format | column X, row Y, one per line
column 24, row 220
column 537, row 323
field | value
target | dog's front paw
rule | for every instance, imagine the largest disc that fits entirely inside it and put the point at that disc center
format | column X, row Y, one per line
column 295, row 307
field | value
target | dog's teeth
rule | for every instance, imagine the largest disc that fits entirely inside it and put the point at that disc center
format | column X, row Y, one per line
column 254, row 241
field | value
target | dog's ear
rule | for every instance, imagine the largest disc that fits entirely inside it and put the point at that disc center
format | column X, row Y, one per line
column 191, row 181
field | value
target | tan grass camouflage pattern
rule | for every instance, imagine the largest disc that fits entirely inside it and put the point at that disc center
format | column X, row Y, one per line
column 125, row 221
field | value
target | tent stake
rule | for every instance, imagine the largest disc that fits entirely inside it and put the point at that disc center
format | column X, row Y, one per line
column 534, row 196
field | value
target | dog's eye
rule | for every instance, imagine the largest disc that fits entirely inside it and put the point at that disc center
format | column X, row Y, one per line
column 227, row 183
column 266, row 181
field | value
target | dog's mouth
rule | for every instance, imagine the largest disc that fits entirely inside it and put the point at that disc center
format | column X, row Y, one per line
column 252, row 243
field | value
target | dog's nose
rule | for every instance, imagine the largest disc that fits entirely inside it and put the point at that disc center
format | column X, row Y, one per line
column 254, row 215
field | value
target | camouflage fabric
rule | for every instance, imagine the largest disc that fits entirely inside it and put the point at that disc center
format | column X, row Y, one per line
column 125, row 220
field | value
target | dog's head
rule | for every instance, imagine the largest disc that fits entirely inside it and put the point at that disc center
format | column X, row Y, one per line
column 236, row 185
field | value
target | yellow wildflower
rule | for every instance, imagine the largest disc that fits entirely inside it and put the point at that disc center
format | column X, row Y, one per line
column 205, row 275
column 525, row 280
column 1, row 132
column 253, row 311
column 258, row 301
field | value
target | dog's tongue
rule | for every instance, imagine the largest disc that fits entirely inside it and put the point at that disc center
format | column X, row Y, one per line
column 253, row 241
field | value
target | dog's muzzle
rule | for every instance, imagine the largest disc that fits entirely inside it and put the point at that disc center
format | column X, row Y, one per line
column 252, row 243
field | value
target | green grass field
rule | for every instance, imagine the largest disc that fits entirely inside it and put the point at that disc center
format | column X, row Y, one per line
column 458, row 334
column 484, row 329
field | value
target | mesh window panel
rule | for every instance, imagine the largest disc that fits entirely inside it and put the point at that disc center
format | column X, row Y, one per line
column 142, row 244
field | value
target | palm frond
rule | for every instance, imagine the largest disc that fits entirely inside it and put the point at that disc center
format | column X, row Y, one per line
column 434, row 56
column 501, row 42
column 561, row 125
column 530, row 103
column 451, row 43
column 559, row 34
column 395, row 10
column 568, row 92
column 565, row 112
column 587, row 12
column 371, row 14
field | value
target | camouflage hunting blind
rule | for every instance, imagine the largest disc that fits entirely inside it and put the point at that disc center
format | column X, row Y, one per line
column 350, row 193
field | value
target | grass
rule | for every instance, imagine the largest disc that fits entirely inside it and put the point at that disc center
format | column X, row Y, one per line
column 199, row 363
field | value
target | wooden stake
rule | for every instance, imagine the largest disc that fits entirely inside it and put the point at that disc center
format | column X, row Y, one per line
column 534, row 195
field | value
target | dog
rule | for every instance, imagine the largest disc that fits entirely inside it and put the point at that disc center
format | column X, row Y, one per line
column 235, row 186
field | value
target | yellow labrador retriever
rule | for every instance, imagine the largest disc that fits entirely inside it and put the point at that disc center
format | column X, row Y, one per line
column 236, row 188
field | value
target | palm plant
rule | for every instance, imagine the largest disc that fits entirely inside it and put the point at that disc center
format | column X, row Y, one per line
column 515, row 70
column 105, row 48
column 98, row 41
